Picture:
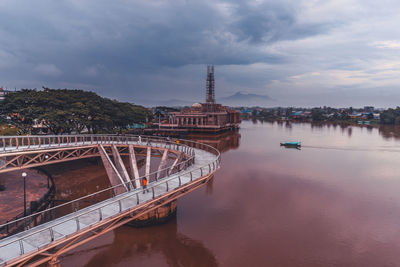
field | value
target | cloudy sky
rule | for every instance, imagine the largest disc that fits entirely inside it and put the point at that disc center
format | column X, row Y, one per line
column 298, row 52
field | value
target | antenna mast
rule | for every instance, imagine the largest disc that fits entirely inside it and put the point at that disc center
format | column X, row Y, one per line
column 210, row 95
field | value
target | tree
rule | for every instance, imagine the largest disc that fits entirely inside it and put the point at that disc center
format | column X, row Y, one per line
column 389, row 116
column 317, row 114
column 289, row 112
column 66, row 111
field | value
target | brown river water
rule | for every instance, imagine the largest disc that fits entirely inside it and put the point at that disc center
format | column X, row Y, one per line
column 335, row 202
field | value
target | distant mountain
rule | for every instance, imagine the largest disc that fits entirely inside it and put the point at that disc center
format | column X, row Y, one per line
column 167, row 103
column 236, row 100
column 243, row 99
column 174, row 103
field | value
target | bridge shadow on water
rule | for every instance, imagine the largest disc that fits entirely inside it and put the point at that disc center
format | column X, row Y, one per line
column 137, row 247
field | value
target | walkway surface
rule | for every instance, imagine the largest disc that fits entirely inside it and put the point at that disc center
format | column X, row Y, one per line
column 44, row 235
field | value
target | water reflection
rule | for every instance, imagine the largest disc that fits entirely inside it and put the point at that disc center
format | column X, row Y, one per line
column 223, row 142
column 349, row 131
column 209, row 186
column 131, row 244
column 317, row 125
column 389, row 131
column 288, row 126
column 334, row 203
column 386, row 131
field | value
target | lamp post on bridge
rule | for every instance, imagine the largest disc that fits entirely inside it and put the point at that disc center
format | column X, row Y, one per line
column 24, row 176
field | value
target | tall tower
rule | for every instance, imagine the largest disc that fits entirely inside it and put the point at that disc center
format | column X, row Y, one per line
column 210, row 95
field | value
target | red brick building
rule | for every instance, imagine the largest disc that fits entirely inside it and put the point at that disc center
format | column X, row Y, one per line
column 204, row 117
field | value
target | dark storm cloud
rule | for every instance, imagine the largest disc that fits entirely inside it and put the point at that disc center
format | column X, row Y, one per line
column 190, row 33
column 140, row 48
column 271, row 22
column 135, row 35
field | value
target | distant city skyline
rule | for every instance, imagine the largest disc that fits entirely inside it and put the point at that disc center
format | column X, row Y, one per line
column 298, row 53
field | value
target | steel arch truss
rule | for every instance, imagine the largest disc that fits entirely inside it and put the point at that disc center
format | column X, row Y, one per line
column 34, row 158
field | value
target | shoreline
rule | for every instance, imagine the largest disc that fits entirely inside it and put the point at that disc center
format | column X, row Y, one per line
column 347, row 123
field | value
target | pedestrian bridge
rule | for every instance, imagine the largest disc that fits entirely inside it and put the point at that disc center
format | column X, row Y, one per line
column 43, row 236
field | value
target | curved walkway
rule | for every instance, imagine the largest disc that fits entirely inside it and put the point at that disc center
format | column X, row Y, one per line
column 19, row 247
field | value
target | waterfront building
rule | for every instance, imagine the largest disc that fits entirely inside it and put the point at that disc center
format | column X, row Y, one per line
column 369, row 109
column 204, row 117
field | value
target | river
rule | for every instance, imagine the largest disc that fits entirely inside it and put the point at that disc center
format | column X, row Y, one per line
column 335, row 202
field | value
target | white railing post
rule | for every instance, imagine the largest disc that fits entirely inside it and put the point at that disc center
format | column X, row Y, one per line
column 51, row 234
column 21, row 247
column 78, row 227
column 100, row 215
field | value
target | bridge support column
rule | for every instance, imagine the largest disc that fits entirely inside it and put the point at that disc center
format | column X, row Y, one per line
column 112, row 173
column 158, row 216
column 133, row 165
column 177, row 160
column 119, row 164
column 162, row 165
column 148, row 161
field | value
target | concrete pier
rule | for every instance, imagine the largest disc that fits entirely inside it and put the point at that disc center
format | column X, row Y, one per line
column 157, row 216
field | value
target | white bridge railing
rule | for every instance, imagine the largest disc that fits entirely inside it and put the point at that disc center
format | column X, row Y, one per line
column 78, row 210
column 18, row 143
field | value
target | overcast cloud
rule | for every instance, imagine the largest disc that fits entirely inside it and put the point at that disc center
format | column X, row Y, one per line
column 299, row 52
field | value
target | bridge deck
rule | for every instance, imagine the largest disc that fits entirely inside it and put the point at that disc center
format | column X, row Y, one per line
column 38, row 238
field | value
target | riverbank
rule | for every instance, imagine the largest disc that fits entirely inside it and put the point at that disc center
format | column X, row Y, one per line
column 12, row 195
column 360, row 122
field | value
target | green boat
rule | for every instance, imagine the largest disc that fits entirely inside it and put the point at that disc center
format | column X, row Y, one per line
column 291, row 144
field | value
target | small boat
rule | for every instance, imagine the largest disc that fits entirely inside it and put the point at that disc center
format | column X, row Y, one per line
column 291, row 144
